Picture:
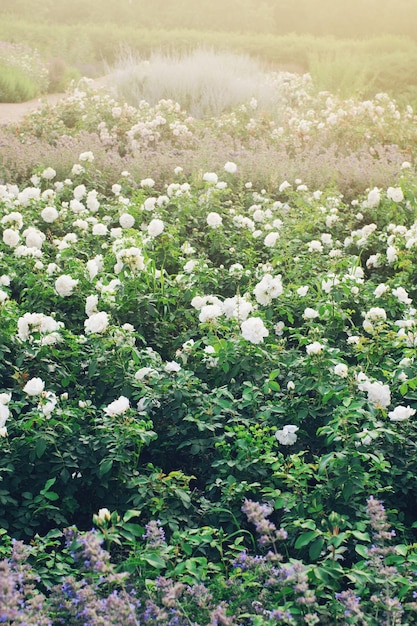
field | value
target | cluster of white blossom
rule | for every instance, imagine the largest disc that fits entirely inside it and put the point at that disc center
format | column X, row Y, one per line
column 30, row 325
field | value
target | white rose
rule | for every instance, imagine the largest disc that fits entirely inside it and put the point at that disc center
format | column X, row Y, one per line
column 209, row 312
column 96, row 323
column 341, row 370
column 49, row 173
column 100, row 229
column 374, row 198
column 86, row 156
column 230, row 167
column 402, row 295
column 395, row 194
column 401, row 413
column 49, row 214
column 11, row 237
column 376, row 313
column 91, row 305
column 155, row 227
column 64, row 285
column 126, row 220
column 34, row 238
column 310, row 314
column 104, row 515
column 283, row 186
column 117, row 407
column 315, row 246
column 92, row 203
column 253, row 329
column 149, row 204
column 302, row 291
column 271, row 239
column 143, row 372
column 214, row 220
column 380, row 290
column 79, row 192
column 210, row 177
column 172, row 366
column 378, row 394
column 4, row 415
column 314, row 348
column 34, row 387
column 77, row 169
column 287, row 436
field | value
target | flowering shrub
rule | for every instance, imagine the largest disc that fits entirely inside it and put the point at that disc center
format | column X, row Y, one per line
column 173, row 352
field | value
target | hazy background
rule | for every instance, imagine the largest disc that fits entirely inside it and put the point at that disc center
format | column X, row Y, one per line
column 360, row 47
column 356, row 18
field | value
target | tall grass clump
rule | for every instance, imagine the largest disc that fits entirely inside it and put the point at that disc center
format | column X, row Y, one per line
column 15, row 85
column 60, row 75
column 23, row 75
column 344, row 76
column 205, row 82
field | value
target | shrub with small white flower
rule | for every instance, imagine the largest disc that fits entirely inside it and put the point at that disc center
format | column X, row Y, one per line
column 173, row 344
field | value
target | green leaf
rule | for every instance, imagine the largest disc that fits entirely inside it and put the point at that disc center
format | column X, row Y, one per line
column 401, row 549
column 92, row 368
column 347, row 491
column 48, row 484
column 53, row 534
column 155, row 560
column 51, row 495
column 360, row 535
column 40, row 447
column 403, row 389
column 105, row 466
column 129, row 514
column 362, row 551
column 274, row 386
column 305, row 539
column 274, row 374
column 136, row 358
column 310, row 524
column 134, row 530
column 316, row 548
column 327, row 396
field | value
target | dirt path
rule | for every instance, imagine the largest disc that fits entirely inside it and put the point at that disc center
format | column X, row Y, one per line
column 13, row 112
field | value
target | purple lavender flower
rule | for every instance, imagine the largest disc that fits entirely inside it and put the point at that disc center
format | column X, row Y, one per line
column 154, row 534
column 257, row 514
